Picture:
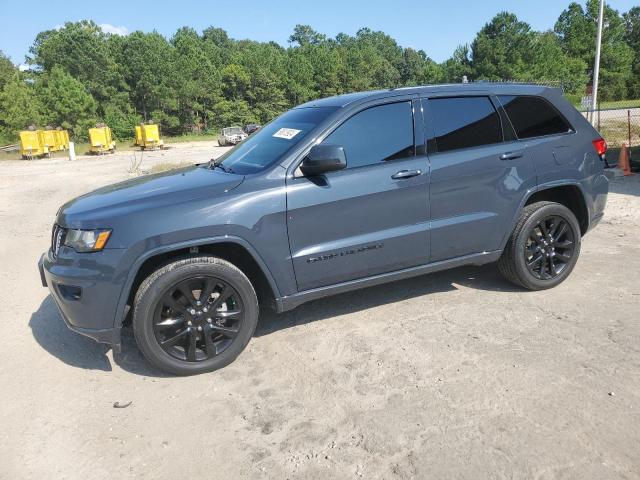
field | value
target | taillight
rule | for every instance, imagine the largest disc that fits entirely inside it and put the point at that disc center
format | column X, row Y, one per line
column 600, row 144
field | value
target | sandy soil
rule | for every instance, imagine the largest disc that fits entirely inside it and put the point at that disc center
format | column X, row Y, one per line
column 452, row 375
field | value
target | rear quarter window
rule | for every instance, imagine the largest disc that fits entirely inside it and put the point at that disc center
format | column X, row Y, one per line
column 533, row 116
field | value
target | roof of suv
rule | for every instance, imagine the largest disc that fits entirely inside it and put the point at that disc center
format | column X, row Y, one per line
column 497, row 88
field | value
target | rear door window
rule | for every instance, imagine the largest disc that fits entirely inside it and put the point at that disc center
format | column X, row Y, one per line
column 375, row 135
column 464, row 122
column 533, row 116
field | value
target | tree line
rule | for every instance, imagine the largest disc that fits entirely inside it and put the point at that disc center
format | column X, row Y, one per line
column 196, row 82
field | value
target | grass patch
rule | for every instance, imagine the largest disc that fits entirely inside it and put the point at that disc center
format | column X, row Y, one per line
column 615, row 132
column 191, row 137
column 167, row 166
column 81, row 149
column 608, row 105
column 621, row 104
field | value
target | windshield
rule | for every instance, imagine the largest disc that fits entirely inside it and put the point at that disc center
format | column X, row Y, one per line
column 231, row 130
column 272, row 141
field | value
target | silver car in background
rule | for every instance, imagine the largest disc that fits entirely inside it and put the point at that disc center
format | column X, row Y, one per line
column 231, row 136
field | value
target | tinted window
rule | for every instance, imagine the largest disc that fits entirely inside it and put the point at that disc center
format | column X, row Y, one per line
column 533, row 116
column 465, row 122
column 275, row 139
column 376, row 134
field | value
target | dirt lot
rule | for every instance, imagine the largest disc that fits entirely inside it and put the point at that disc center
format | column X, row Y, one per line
column 453, row 375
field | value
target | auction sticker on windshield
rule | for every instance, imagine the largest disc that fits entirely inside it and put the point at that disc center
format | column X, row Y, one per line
column 287, row 133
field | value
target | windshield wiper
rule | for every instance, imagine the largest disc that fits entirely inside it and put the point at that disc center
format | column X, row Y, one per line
column 213, row 164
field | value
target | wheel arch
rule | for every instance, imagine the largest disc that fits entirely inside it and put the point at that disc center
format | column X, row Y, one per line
column 567, row 193
column 570, row 195
column 233, row 249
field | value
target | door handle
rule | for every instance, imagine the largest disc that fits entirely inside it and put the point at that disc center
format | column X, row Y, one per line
column 402, row 174
column 511, row 155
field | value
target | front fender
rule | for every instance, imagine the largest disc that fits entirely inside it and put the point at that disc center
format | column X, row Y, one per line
column 137, row 264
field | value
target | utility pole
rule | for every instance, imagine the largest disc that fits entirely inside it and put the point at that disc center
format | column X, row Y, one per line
column 596, row 67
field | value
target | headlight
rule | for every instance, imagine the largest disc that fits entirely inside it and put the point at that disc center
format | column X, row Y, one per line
column 87, row 240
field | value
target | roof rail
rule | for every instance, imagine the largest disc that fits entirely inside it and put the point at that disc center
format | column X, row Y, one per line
column 540, row 82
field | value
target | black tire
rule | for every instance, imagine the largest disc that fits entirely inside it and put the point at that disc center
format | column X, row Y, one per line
column 161, row 286
column 528, row 242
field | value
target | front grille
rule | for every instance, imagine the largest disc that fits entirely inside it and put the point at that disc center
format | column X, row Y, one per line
column 57, row 238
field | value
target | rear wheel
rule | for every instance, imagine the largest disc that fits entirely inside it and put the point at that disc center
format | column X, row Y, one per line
column 194, row 315
column 543, row 248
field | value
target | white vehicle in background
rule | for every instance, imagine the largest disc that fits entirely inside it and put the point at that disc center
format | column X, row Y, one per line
column 231, row 136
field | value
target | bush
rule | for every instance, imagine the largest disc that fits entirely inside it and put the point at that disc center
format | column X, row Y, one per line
column 121, row 120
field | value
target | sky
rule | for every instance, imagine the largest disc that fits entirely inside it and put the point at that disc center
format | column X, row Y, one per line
column 436, row 27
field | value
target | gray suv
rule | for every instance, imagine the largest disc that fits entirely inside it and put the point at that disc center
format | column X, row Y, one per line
column 334, row 195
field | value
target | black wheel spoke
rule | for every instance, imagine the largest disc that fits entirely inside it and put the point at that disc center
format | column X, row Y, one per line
column 552, row 267
column 224, row 295
column 191, row 347
column 169, row 323
column 559, row 232
column 226, row 331
column 170, row 342
column 198, row 318
column 535, row 261
column 543, row 269
column 543, row 228
column 174, row 305
column 228, row 313
column 565, row 244
column 187, row 293
column 207, row 290
column 209, row 346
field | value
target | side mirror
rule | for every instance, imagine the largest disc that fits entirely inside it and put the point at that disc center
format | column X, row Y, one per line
column 322, row 159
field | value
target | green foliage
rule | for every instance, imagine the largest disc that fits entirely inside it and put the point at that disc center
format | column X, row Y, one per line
column 19, row 108
column 8, row 71
column 459, row 65
column 148, row 63
column 501, row 48
column 121, row 117
column 199, row 82
column 65, row 102
column 632, row 37
column 576, row 29
column 81, row 49
column 305, row 35
column 507, row 48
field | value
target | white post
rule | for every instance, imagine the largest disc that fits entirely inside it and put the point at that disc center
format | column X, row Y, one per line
column 72, row 151
column 596, row 67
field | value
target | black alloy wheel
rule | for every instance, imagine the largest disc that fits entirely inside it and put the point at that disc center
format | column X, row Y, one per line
column 198, row 318
column 549, row 248
column 543, row 247
column 194, row 315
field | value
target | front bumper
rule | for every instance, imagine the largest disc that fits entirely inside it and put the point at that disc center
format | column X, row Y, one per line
column 85, row 292
column 235, row 140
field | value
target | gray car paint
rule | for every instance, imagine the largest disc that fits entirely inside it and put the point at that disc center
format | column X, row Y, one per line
column 459, row 210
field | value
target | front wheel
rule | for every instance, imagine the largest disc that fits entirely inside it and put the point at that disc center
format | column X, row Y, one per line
column 543, row 248
column 194, row 315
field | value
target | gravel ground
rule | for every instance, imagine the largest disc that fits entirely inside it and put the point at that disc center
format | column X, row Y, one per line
column 451, row 375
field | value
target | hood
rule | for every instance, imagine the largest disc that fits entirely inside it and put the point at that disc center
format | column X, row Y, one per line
column 149, row 191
